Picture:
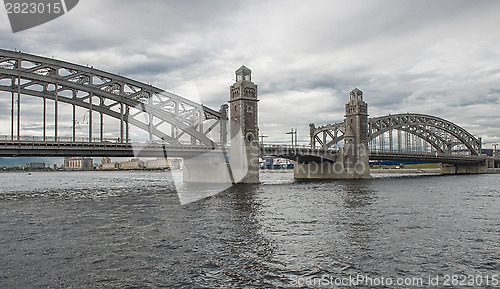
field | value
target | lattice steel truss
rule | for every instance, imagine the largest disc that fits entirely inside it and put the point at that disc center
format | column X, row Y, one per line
column 441, row 134
column 131, row 102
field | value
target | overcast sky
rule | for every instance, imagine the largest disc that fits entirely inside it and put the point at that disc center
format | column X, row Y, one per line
column 433, row 57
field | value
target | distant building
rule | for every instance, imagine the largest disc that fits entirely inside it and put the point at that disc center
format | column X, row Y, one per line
column 133, row 164
column 78, row 163
column 491, row 152
column 107, row 164
column 110, row 166
column 273, row 163
column 36, row 166
column 163, row 163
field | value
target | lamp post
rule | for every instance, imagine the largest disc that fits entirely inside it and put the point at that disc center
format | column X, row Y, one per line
column 262, row 139
column 293, row 132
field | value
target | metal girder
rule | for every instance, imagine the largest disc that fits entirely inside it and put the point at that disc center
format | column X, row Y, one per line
column 452, row 133
column 330, row 134
column 430, row 136
column 76, row 84
column 439, row 133
column 300, row 154
column 77, row 102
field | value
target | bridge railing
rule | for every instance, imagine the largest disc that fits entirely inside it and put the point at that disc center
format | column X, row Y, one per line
column 40, row 140
column 284, row 146
column 58, row 139
column 419, row 152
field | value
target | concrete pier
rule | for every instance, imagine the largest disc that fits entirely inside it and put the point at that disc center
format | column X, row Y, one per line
column 204, row 171
column 481, row 168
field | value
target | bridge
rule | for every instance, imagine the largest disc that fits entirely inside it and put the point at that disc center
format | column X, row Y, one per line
column 408, row 137
column 177, row 127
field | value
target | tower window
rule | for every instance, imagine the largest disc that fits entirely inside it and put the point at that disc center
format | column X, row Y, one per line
column 249, row 109
column 250, row 137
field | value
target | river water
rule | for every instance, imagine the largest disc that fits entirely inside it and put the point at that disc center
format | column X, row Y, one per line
column 128, row 230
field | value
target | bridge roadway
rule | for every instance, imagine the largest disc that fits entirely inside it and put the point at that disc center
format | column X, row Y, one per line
column 96, row 149
column 27, row 148
column 306, row 154
column 37, row 148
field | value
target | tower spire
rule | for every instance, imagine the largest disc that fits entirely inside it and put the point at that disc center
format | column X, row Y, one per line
column 355, row 150
column 244, row 124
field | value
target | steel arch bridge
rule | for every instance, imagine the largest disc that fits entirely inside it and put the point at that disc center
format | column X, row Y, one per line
column 161, row 114
column 440, row 134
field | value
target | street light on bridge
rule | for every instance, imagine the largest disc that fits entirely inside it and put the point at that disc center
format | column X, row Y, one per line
column 262, row 139
column 293, row 132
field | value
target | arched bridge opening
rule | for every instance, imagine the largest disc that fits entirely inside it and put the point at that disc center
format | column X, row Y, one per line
column 405, row 133
column 52, row 100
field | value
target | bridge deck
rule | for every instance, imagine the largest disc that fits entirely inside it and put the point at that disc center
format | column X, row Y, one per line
column 96, row 149
column 10, row 148
column 426, row 157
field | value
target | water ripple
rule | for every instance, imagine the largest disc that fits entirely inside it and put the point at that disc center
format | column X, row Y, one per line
column 128, row 230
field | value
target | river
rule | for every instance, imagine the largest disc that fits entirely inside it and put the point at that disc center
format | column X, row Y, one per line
column 128, row 230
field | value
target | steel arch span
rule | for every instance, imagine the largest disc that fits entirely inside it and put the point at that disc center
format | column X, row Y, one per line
column 439, row 133
column 131, row 102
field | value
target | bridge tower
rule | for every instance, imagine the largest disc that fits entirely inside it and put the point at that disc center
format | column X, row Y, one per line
column 351, row 162
column 355, row 151
column 244, row 125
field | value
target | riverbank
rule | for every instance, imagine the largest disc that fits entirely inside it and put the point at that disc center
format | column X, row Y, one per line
column 406, row 171
column 378, row 171
column 277, row 171
column 493, row 171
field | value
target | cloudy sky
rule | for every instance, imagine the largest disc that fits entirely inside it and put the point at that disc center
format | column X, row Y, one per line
column 434, row 57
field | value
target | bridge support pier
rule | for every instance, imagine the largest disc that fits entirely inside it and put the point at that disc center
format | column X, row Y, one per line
column 206, row 169
column 220, row 167
column 342, row 168
column 458, row 169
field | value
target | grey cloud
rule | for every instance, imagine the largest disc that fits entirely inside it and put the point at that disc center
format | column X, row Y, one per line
column 434, row 57
column 494, row 91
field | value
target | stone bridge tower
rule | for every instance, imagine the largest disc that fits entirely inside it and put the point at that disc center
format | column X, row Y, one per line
column 351, row 162
column 244, row 125
column 355, row 152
